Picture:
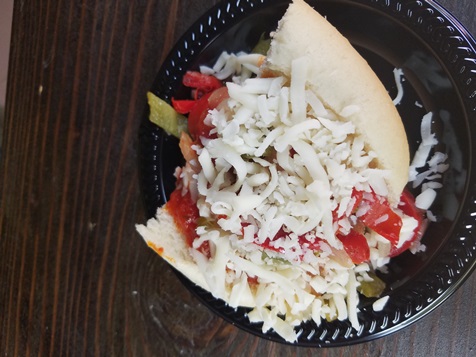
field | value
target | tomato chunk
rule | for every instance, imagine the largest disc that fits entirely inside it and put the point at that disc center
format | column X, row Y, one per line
column 196, row 118
column 217, row 96
column 356, row 246
column 303, row 241
column 382, row 219
column 358, row 196
column 185, row 213
column 407, row 205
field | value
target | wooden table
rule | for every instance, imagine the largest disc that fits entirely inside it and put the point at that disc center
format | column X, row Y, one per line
column 72, row 267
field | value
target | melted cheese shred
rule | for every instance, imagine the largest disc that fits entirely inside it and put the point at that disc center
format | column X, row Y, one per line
column 280, row 164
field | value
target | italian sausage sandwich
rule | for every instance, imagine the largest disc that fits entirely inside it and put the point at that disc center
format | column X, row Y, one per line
column 292, row 194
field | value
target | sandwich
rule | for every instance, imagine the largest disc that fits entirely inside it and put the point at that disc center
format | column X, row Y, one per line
column 292, row 194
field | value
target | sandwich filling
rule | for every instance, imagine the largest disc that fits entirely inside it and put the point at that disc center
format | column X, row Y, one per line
column 289, row 212
column 289, row 200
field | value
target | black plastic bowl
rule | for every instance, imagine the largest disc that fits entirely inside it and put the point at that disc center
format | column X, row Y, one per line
column 438, row 58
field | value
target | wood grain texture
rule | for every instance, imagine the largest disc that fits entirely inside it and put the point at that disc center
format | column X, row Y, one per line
column 74, row 275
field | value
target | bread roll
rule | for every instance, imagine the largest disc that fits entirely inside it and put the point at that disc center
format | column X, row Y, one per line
column 341, row 78
column 162, row 235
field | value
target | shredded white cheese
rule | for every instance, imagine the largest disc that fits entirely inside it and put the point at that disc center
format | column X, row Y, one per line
column 427, row 168
column 379, row 304
column 272, row 181
column 280, row 164
column 398, row 75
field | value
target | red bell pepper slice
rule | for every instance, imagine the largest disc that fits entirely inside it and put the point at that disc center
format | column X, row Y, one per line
column 200, row 81
column 183, row 106
column 356, row 246
column 202, row 84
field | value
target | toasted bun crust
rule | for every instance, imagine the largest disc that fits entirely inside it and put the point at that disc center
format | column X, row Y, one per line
column 340, row 77
column 161, row 234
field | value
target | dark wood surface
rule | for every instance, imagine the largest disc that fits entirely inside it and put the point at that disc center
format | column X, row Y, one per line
column 75, row 278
